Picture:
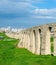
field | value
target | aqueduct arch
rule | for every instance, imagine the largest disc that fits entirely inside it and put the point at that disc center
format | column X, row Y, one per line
column 37, row 39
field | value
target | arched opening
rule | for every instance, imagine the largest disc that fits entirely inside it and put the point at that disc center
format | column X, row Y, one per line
column 28, row 42
column 40, row 39
column 24, row 39
column 34, row 33
column 51, row 40
column 34, row 40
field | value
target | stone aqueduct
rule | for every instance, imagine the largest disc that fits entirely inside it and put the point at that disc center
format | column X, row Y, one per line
column 37, row 39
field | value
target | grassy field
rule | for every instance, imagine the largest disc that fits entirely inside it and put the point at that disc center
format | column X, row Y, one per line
column 11, row 55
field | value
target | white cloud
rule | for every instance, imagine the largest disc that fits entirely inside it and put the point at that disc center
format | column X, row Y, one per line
column 45, row 17
column 44, row 11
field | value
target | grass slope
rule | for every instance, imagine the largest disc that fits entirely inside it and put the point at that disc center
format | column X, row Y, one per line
column 11, row 55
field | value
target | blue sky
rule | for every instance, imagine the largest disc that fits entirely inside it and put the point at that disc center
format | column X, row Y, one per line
column 27, row 13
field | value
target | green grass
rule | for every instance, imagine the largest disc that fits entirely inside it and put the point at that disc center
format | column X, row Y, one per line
column 10, row 54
